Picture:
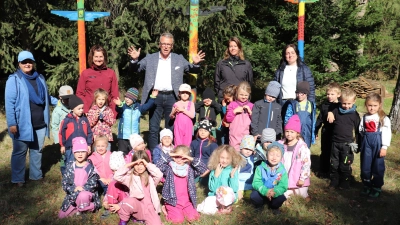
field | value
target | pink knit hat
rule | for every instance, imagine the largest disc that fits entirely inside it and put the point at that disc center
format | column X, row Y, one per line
column 294, row 124
column 79, row 145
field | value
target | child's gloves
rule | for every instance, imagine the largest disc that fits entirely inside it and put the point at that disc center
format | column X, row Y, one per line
column 353, row 147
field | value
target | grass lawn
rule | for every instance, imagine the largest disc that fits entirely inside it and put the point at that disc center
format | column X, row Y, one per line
column 39, row 202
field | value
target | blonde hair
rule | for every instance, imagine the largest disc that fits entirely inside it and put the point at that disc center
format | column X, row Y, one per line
column 334, row 87
column 275, row 148
column 376, row 98
column 144, row 177
column 238, row 43
column 237, row 160
column 348, row 94
column 230, row 90
column 182, row 148
column 99, row 92
column 100, row 138
column 245, row 86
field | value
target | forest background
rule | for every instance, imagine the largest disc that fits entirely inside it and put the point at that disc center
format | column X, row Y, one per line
column 343, row 38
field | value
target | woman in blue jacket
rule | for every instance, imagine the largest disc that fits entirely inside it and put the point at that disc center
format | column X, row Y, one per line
column 27, row 114
column 290, row 72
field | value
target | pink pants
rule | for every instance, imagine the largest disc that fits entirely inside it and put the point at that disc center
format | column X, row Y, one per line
column 83, row 203
column 134, row 207
column 177, row 214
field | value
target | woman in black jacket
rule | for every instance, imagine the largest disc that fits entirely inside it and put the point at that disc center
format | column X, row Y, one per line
column 233, row 68
column 292, row 71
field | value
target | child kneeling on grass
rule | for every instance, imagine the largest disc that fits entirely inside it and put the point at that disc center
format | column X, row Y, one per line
column 270, row 180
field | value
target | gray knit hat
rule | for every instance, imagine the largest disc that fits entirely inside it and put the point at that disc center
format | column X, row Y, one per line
column 268, row 134
column 273, row 89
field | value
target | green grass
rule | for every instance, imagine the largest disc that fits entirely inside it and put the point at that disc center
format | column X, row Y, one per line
column 39, row 203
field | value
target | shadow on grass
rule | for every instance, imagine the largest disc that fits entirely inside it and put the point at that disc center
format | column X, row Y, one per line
column 3, row 134
column 51, row 156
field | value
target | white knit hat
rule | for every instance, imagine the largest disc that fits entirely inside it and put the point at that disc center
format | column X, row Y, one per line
column 166, row 132
column 117, row 160
column 135, row 140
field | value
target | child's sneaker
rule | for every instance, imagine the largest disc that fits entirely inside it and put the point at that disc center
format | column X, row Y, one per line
column 105, row 214
column 366, row 190
column 121, row 222
column 375, row 192
column 276, row 211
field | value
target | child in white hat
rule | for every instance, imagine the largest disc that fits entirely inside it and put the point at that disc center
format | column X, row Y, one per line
column 165, row 146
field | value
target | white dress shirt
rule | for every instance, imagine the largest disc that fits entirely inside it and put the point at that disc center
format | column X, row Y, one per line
column 163, row 76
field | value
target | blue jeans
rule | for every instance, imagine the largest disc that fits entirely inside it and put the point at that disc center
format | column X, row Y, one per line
column 163, row 107
column 67, row 157
column 18, row 157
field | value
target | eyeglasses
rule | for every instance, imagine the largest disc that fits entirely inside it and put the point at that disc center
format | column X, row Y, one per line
column 26, row 62
column 166, row 44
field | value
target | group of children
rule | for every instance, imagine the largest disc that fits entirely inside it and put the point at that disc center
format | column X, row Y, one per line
column 264, row 156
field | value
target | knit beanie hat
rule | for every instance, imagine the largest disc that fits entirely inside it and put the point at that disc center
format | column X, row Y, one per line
column 225, row 196
column 273, row 89
column 166, row 132
column 79, row 145
column 294, row 124
column 185, row 87
column 208, row 93
column 268, row 134
column 206, row 124
column 117, row 160
column 135, row 140
column 248, row 142
column 74, row 101
column 276, row 144
column 303, row 87
column 132, row 93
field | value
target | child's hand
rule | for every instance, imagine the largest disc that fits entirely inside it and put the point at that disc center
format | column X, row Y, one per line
column 223, row 103
column 105, row 205
column 117, row 102
column 234, row 171
column 246, row 107
column 180, row 109
column 225, row 124
column 89, row 149
column 105, row 181
column 270, row 194
column 114, row 208
column 187, row 158
column 218, row 170
column 256, row 136
column 316, row 137
column 207, row 102
column 238, row 110
column 154, row 93
column 78, row 188
column 382, row 153
column 62, row 150
column 331, row 117
column 300, row 183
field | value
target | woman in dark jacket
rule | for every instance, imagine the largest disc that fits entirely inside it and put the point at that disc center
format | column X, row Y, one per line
column 292, row 71
column 233, row 69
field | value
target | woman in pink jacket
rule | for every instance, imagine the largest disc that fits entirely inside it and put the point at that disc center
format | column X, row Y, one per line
column 239, row 115
column 296, row 159
column 141, row 177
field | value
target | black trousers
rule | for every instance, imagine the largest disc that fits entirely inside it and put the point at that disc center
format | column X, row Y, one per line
column 341, row 159
column 326, row 146
column 258, row 200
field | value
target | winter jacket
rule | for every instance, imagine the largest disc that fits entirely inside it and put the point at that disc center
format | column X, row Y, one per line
column 102, row 164
column 17, row 107
column 246, row 173
column 202, row 149
column 292, row 108
column 124, row 175
column 179, row 66
column 59, row 113
column 211, row 113
column 157, row 153
column 301, row 164
column 94, row 78
column 129, row 122
column 101, row 126
column 72, row 127
column 224, row 179
column 266, row 115
column 303, row 74
column 280, row 184
column 116, row 192
column 231, row 71
column 195, row 169
column 68, row 185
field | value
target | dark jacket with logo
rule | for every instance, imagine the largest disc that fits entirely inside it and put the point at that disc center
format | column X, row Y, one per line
column 72, row 127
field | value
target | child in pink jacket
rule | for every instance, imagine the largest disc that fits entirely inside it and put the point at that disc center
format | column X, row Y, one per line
column 296, row 159
column 239, row 115
column 141, row 177
column 183, row 112
column 137, row 143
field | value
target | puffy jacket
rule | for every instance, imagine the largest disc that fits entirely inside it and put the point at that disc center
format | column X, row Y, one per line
column 266, row 115
column 72, row 127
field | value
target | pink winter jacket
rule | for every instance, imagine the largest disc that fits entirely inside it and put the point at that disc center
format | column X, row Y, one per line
column 124, row 175
column 102, row 165
column 301, row 164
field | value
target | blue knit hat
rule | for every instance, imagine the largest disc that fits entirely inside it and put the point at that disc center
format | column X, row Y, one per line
column 25, row 55
column 132, row 94
column 276, row 144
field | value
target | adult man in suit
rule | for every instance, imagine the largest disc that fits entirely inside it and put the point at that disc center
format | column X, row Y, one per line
column 164, row 72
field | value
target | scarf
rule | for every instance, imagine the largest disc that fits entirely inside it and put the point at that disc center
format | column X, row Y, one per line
column 102, row 67
column 351, row 110
column 36, row 98
column 165, row 149
column 271, row 177
column 180, row 171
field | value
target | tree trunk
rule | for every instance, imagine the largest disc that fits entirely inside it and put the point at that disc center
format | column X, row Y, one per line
column 395, row 110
